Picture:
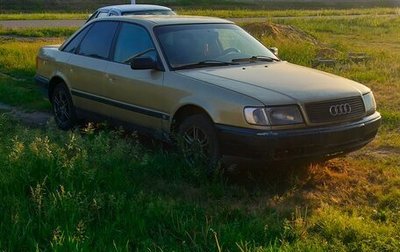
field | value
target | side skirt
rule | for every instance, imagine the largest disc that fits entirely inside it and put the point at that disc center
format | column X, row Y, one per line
column 85, row 115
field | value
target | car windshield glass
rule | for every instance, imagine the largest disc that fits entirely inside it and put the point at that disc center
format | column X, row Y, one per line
column 185, row 45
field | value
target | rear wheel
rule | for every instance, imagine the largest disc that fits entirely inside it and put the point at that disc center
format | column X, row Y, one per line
column 63, row 108
column 198, row 140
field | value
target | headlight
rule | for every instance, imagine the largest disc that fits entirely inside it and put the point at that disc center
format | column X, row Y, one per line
column 273, row 116
column 369, row 103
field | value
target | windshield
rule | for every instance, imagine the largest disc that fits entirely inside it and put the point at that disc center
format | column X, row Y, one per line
column 189, row 45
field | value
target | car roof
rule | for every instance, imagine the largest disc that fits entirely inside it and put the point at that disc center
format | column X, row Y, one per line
column 134, row 7
column 155, row 20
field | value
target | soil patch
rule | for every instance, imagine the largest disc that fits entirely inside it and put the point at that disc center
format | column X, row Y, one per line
column 36, row 118
column 278, row 31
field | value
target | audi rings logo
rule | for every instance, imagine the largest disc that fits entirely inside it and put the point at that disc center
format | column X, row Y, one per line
column 340, row 109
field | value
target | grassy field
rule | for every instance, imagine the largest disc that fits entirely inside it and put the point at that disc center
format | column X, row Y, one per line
column 101, row 189
column 89, row 5
column 37, row 32
column 223, row 13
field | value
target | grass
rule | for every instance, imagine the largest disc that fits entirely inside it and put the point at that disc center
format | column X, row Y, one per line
column 17, row 68
column 82, row 5
column 246, row 13
column 101, row 189
column 43, row 16
column 38, row 32
column 94, row 191
column 223, row 13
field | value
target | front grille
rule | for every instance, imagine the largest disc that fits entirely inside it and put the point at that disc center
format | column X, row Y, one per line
column 320, row 112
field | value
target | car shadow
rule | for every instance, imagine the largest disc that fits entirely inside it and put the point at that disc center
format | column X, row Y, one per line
column 258, row 175
column 255, row 176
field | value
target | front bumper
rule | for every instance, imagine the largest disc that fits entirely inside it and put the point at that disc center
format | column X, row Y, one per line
column 310, row 143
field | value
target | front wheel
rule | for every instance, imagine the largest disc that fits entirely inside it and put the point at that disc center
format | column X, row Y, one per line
column 198, row 140
column 63, row 108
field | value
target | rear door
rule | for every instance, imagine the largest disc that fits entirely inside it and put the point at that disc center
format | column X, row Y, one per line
column 134, row 95
column 87, row 66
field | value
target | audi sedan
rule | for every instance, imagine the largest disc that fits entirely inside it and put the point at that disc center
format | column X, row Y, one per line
column 208, row 83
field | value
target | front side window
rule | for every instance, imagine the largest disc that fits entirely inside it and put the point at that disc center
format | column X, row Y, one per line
column 98, row 40
column 190, row 44
column 132, row 40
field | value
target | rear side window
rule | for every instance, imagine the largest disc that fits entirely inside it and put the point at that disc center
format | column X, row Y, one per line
column 74, row 43
column 132, row 39
column 98, row 40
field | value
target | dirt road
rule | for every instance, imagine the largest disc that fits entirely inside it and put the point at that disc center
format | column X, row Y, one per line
column 35, row 118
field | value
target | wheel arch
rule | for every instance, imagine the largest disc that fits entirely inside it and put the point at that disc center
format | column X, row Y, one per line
column 184, row 112
column 52, row 84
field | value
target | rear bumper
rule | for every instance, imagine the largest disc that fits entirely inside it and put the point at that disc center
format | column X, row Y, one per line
column 311, row 143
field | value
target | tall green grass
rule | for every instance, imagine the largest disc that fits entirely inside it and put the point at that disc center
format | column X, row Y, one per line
column 104, row 191
column 18, row 58
column 17, row 68
column 85, row 191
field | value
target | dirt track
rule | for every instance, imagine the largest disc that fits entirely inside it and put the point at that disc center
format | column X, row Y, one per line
column 36, row 118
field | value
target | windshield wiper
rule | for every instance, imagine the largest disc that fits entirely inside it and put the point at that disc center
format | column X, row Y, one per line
column 256, row 58
column 206, row 63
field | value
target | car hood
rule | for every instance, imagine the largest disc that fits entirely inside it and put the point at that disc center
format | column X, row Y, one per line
column 279, row 82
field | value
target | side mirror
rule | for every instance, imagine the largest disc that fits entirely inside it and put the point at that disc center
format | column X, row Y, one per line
column 274, row 50
column 142, row 63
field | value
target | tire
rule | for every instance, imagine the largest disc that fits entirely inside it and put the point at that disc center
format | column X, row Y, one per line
column 198, row 141
column 63, row 108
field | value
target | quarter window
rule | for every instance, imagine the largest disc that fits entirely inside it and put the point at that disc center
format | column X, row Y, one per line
column 74, row 43
column 98, row 40
column 132, row 40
